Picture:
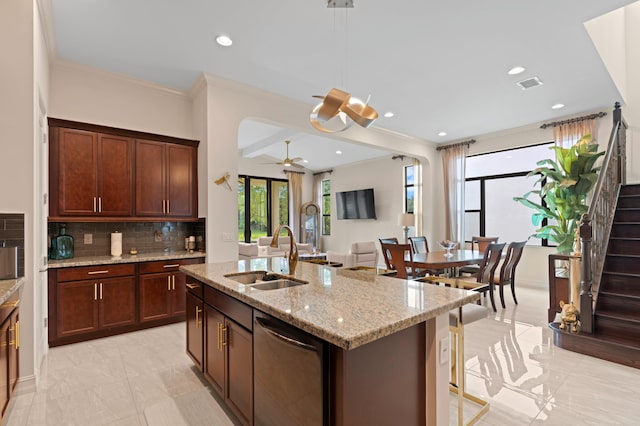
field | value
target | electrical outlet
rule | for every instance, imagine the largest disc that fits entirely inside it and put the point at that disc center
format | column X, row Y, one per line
column 227, row 236
column 88, row 238
column 444, row 350
column 46, row 322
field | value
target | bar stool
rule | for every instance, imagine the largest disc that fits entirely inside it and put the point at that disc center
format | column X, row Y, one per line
column 465, row 314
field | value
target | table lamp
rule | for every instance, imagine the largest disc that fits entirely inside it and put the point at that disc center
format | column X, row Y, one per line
column 406, row 220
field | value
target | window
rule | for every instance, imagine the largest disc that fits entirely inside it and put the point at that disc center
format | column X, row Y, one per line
column 263, row 204
column 326, row 207
column 492, row 180
column 409, row 189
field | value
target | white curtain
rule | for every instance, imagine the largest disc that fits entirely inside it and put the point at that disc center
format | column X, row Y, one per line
column 417, row 195
column 453, row 164
column 565, row 135
column 295, row 201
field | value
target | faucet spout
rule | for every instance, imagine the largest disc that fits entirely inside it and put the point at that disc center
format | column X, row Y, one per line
column 293, row 251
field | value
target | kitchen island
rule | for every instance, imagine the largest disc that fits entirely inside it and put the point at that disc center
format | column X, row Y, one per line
column 383, row 335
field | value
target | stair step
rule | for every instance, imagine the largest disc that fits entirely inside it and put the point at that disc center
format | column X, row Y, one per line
column 617, row 304
column 616, row 324
column 628, row 201
column 627, row 215
column 625, row 263
column 619, row 245
column 618, row 282
column 625, row 229
column 630, row 190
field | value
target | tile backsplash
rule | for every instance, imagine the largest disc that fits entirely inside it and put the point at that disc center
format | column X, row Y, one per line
column 12, row 233
column 146, row 237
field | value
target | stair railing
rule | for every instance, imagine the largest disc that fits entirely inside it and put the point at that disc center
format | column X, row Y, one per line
column 595, row 225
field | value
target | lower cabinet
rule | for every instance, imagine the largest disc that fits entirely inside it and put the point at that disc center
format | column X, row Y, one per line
column 226, row 346
column 9, row 350
column 89, row 302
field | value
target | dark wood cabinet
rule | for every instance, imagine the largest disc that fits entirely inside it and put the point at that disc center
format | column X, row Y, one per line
column 227, row 342
column 165, row 180
column 162, row 289
column 104, row 173
column 195, row 327
column 77, row 310
column 90, row 174
column 9, row 349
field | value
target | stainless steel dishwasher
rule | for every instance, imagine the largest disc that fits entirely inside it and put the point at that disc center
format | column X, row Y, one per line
column 290, row 370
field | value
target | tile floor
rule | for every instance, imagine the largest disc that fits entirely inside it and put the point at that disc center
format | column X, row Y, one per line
column 145, row 378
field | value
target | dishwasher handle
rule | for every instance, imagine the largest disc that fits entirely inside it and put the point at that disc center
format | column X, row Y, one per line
column 263, row 324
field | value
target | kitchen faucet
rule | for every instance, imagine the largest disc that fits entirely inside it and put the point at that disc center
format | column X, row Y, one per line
column 293, row 251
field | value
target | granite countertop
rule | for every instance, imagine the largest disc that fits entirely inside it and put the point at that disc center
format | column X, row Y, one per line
column 8, row 287
column 125, row 258
column 344, row 307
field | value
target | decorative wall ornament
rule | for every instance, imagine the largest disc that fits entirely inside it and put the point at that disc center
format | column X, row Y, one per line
column 224, row 179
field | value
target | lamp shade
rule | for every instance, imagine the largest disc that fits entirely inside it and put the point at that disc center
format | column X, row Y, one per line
column 406, row 219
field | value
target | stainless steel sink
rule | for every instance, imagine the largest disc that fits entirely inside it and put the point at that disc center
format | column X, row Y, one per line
column 263, row 280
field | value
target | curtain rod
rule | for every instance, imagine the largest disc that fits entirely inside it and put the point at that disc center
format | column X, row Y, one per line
column 469, row 142
column 574, row 120
column 292, row 171
column 323, row 172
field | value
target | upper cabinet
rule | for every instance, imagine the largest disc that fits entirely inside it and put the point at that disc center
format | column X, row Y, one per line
column 103, row 173
column 165, row 180
column 91, row 174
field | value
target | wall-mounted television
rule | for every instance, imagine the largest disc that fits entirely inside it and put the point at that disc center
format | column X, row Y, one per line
column 359, row 204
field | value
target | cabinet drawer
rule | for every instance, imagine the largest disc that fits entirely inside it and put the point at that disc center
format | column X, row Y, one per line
column 237, row 311
column 165, row 265
column 91, row 272
column 195, row 287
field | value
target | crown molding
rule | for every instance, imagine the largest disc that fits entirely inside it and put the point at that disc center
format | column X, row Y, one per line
column 46, row 21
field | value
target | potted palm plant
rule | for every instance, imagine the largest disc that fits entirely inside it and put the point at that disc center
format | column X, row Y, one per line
column 564, row 185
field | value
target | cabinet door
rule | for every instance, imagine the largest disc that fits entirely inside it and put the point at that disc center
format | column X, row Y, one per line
column 180, row 181
column 195, row 327
column 14, row 351
column 4, row 366
column 179, row 292
column 115, row 178
column 117, row 301
column 155, row 296
column 214, row 349
column 150, row 178
column 77, row 307
column 239, row 391
column 77, row 173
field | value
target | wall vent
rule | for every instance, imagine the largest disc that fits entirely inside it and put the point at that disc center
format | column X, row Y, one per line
column 529, row 83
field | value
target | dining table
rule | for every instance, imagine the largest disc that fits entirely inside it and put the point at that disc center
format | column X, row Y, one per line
column 438, row 260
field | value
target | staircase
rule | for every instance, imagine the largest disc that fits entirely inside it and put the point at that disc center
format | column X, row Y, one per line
column 616, row 317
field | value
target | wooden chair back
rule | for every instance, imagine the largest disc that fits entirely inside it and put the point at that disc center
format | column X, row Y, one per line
column 419, row 244
column 490, row 261
column 481, row 243
column 511, row 260
column 390, row 240
column 397, row 262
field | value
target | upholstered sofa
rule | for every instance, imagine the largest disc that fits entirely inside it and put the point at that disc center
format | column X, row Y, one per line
column 263, row 248
column 361, row 254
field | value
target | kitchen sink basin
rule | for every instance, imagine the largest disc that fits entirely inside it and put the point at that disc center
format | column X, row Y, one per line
column 263, row 280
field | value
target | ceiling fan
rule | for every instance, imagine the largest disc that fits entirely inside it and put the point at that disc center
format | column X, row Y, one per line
column 288, row 162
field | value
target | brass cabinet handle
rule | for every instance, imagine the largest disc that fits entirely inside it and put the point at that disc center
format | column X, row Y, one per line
column 104, row 271
column 100, row 204
column 220, row 337
column 192, row 286
column 225, row 335
column 94, row 205
column 11, row 304
column 173, row 282
column 169, row 283
column 100, row 291
column 168, row 209
column 95, row 291
column 171, row 265
column 17, row 334
column 198, row 311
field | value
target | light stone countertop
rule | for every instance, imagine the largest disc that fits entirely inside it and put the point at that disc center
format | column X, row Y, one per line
column 8, row 287
column 125, row 258
column 344, row 307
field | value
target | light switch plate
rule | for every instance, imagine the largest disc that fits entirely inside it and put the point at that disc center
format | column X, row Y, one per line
column 227, row 236
column 88, row 238
column 444, row 350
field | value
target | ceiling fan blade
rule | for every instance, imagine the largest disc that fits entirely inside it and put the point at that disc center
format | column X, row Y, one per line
column 293, row 160
column 297, row 166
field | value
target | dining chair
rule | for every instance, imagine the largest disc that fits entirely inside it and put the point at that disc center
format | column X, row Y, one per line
column 508, row 270
column 397, row 254
column 390, row 240
column 483, row 281
column 480, row 244
column 419, row 244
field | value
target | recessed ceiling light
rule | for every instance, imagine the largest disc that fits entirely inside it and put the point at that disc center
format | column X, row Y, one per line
column 305, row 161
column 557, row 106
column 515, row 70
column 389, row 114
column 224, row 40
column 338, row 152
column 442, row 134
